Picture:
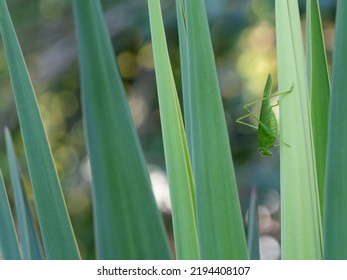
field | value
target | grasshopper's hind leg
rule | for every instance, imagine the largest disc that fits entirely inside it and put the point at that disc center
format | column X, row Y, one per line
column 239, row 120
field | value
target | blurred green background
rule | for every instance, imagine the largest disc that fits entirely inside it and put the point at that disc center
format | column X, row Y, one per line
column 243, row 36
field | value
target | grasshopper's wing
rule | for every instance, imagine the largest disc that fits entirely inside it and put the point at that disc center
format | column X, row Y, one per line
column 267, row 131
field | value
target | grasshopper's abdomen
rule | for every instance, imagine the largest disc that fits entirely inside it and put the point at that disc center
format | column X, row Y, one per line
column 267, row 129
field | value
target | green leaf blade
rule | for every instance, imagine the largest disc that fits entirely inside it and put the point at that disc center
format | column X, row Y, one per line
column 301, row 236
column 27, row 235
column 8, row 235
column 335, row 227
column 253, row 228
column 319, row 89
column 37, row 252
column 220, row 226
column 58, row 237
column 183, row 46
column 176, row 150
column 127, row 221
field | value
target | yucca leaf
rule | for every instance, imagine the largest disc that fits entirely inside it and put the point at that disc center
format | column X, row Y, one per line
column 37, row 252
column 127, row 221
column 220, row 226
column 300, row 213
column 27, row 235
column 8, row 236
column 335, row 227
column 319, row 90
column 182, row 31
column 253, row 228
column 175, row 145
column 58, row 237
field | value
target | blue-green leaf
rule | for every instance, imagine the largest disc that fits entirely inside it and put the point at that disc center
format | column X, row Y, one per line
column 253, row 228
column 127, row 221
column 220, row 226
column 8, row 236
column 335, row 226
column 58, row 237
column 27, row 235
column 319, row 89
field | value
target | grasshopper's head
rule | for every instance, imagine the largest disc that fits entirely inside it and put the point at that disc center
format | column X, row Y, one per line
column 265, row 151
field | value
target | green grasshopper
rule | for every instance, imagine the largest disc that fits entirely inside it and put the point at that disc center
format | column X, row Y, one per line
column 267, row 123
